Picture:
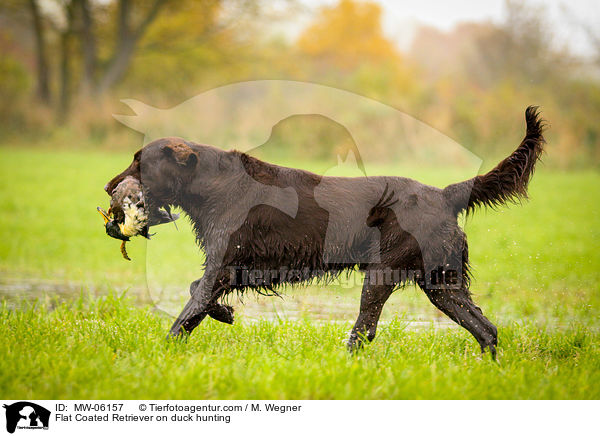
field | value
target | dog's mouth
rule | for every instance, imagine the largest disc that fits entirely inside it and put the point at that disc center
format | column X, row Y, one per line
column 131, row 213
column 125, row 219
column 127, row 215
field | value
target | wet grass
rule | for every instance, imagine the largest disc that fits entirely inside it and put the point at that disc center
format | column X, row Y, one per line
column 108, row 348
column 537, row 276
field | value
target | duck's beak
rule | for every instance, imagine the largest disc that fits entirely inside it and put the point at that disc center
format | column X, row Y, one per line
column 104, row 214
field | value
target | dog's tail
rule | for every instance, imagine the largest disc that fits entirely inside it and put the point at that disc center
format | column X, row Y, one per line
column 508, row 181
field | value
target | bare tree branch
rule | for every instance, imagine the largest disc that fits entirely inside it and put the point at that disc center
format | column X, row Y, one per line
column 156, row 6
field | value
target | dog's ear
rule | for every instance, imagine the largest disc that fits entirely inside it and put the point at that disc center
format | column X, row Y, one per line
column 181, row 153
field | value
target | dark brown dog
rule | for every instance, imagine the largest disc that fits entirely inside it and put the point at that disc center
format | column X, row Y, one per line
column 263, row 226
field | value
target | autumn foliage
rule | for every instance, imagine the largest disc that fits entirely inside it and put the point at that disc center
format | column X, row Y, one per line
column 68, row 63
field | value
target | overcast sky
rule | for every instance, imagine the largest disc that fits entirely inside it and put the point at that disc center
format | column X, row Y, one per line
column 401, row 17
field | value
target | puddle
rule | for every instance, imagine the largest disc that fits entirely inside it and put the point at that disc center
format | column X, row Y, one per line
column 317, row 304
column 314, row 304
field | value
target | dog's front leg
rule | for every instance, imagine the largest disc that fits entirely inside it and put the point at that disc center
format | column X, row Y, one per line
column 219, row 312
column 204, row 295
column 222, row 313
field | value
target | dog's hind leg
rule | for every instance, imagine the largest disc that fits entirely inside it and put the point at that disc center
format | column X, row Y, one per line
column 373, row 297
column 205, row 293
column 457, row 304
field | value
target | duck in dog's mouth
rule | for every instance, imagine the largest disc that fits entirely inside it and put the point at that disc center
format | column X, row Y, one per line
column 127, row 215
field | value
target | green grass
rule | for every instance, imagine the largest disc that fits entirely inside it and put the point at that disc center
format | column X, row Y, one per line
column 107, row 348
column 537, row 276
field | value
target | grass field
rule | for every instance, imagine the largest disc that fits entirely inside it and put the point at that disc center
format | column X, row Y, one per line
column 537, row 276
column 110, row 349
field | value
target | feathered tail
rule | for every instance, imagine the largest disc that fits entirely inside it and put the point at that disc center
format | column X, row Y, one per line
column 508, row 181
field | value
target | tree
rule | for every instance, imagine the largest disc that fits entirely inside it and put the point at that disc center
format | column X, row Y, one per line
column 348, row 35
column 88, row 47
column 128, row 37
column 43, row 71
column 64, row 102
column 80, row 18
column 345, row 46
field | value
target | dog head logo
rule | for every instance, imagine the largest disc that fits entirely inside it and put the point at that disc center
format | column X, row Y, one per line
column 26, row 415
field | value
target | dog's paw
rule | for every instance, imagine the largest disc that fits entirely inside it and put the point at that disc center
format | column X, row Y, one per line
column 177, row 334
column 222, row 313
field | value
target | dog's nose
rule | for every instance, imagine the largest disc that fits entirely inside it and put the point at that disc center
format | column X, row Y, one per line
column 106, row 187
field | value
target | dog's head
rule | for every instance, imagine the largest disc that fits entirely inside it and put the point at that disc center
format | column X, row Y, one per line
column 162, row 167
